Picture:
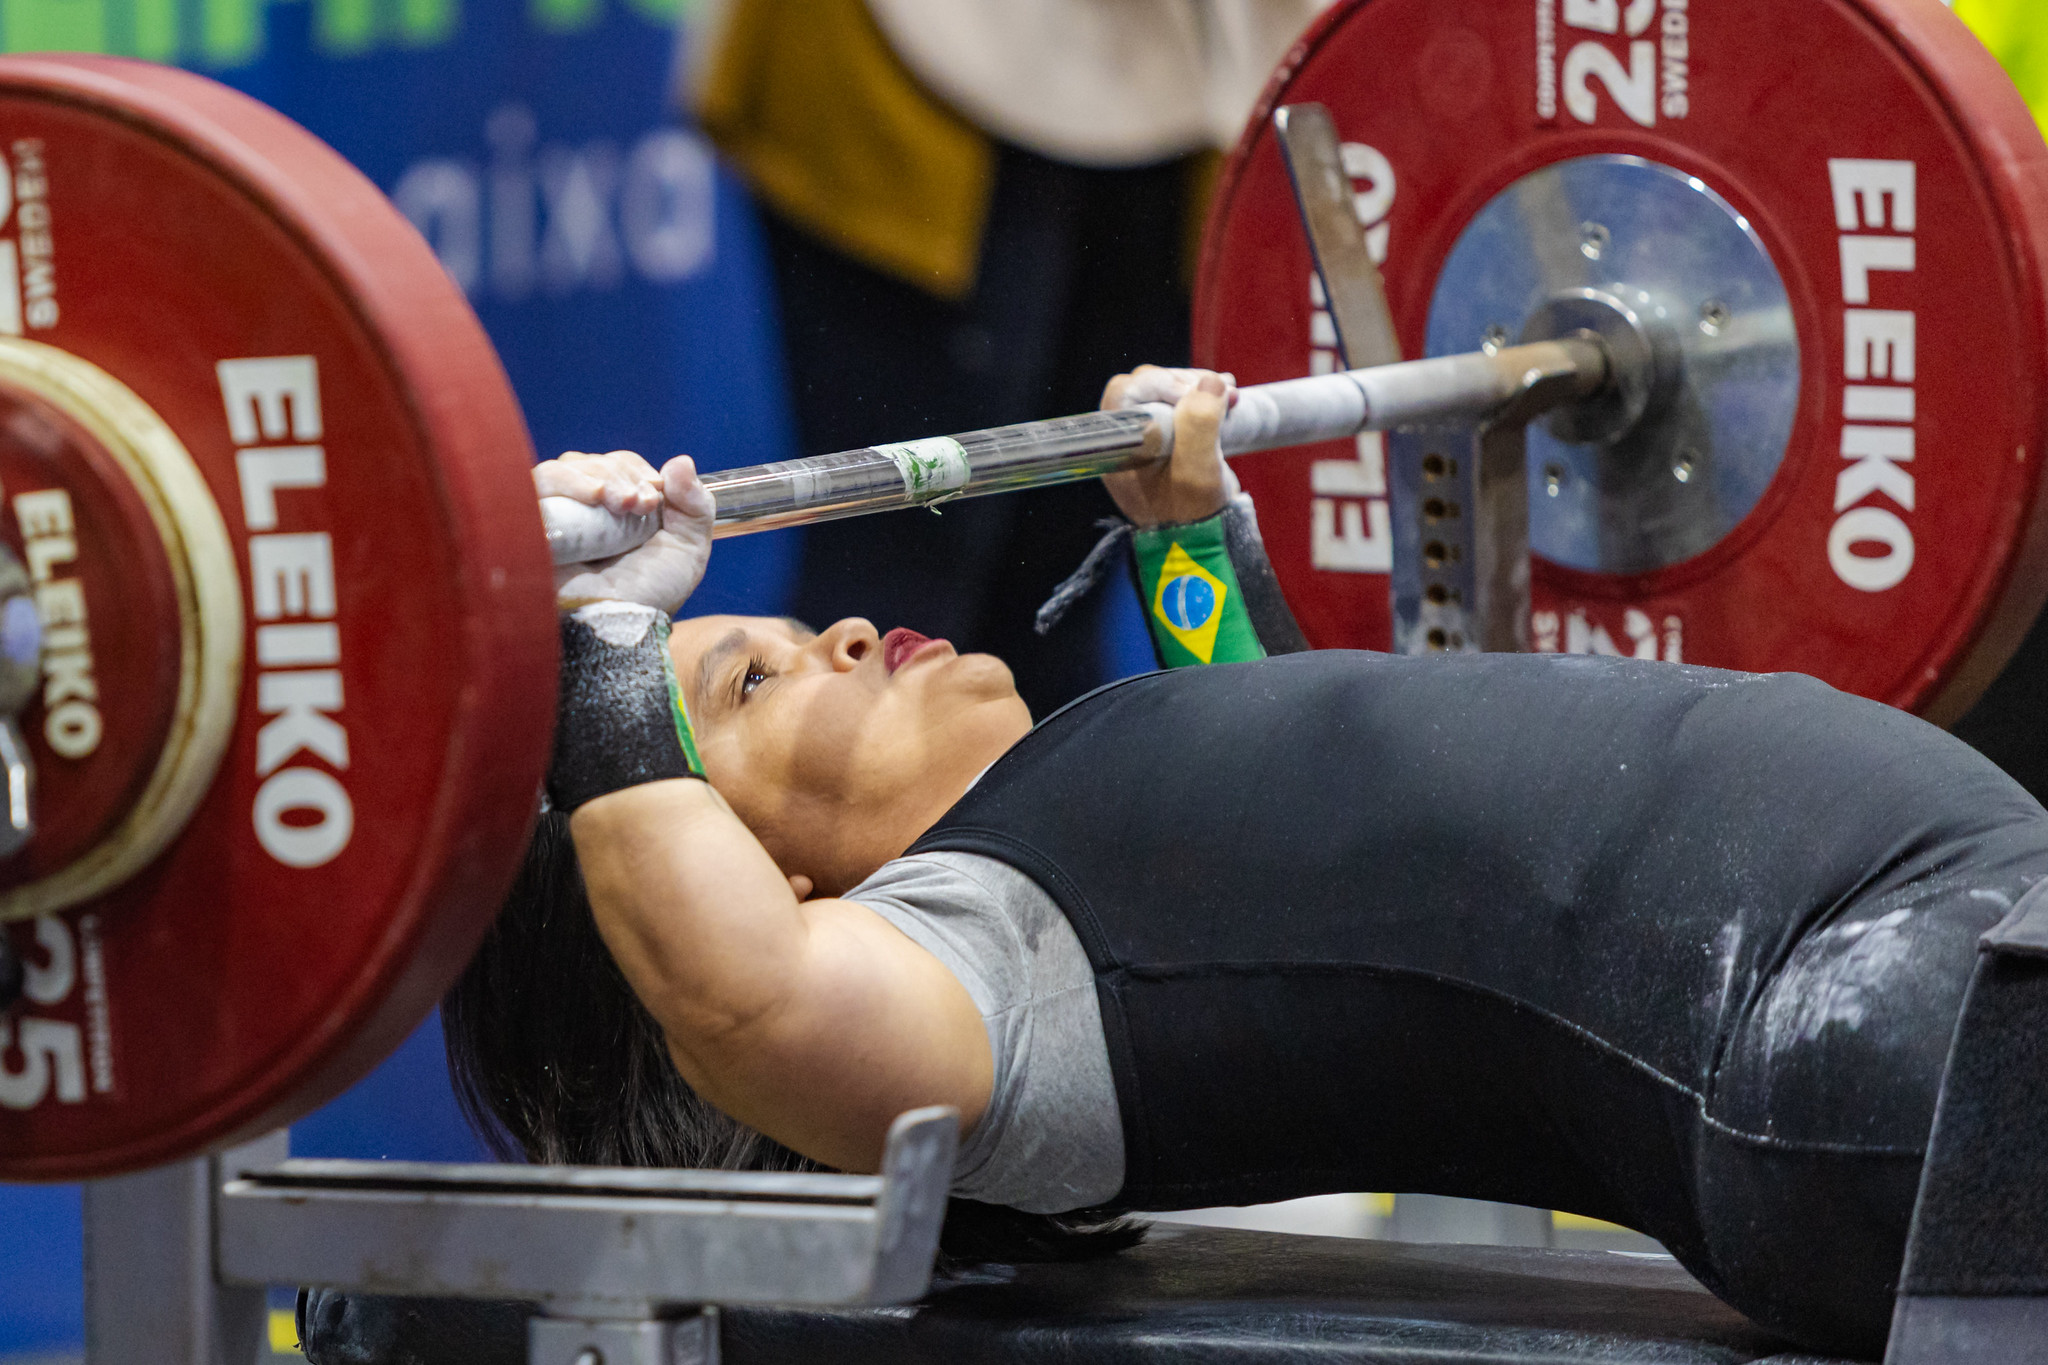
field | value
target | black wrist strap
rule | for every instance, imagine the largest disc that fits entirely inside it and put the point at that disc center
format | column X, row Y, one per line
column 620, row 721
column 1267, row 606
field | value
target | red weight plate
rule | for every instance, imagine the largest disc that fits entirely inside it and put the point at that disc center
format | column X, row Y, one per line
column 397, row 686
column 1456, row 100
column 110, row 607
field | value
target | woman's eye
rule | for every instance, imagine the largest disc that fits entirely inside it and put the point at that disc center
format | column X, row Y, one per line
column 757, row 673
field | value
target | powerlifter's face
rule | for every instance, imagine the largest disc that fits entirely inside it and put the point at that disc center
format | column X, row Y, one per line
column 835, row 749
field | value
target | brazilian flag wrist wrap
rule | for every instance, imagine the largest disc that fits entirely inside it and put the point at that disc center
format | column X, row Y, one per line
column 620, row 721
column 1192, row 599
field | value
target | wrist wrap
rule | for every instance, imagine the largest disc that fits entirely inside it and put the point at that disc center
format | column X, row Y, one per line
column 1193, row 602
column 620, row 721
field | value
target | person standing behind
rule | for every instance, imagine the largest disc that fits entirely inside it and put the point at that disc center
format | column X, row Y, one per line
column 974, row 210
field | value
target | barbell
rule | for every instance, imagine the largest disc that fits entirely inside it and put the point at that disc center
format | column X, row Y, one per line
column 938, row 469
column 289, row 609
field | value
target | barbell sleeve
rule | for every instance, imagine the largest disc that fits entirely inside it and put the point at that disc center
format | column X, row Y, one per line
column 1292, row 412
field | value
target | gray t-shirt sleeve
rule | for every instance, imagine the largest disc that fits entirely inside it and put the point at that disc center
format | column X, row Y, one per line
column 1051, row 1139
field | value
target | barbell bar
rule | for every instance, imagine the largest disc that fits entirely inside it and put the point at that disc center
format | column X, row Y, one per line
column 1291, row 412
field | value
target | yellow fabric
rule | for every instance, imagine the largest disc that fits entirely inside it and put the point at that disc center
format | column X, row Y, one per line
column 2016, row 31
column 826, row 124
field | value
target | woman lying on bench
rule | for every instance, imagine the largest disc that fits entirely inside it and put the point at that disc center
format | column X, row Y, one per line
column 1678, row 948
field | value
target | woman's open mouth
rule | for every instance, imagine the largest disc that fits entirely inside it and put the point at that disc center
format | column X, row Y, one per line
column 900, row 644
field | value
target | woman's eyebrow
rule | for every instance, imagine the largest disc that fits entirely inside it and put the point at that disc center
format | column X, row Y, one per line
column 714, row 658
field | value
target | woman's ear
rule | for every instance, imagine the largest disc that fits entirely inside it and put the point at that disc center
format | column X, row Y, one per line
column 802, row 885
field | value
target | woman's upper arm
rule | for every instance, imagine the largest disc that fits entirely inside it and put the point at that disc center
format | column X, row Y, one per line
column 872, row 1024
column 815, row 1022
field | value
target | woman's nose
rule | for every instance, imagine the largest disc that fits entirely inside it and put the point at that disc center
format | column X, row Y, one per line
column 845, row 643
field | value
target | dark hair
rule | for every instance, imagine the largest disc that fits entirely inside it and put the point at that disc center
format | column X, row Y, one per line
column 555, row 1060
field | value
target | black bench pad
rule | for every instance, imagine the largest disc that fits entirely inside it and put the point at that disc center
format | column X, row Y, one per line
column 1192, row 1296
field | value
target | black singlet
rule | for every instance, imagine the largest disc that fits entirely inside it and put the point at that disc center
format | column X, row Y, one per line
column 1665, row 945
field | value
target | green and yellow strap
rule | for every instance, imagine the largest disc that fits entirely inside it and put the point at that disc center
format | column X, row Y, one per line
column 1193, row 602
